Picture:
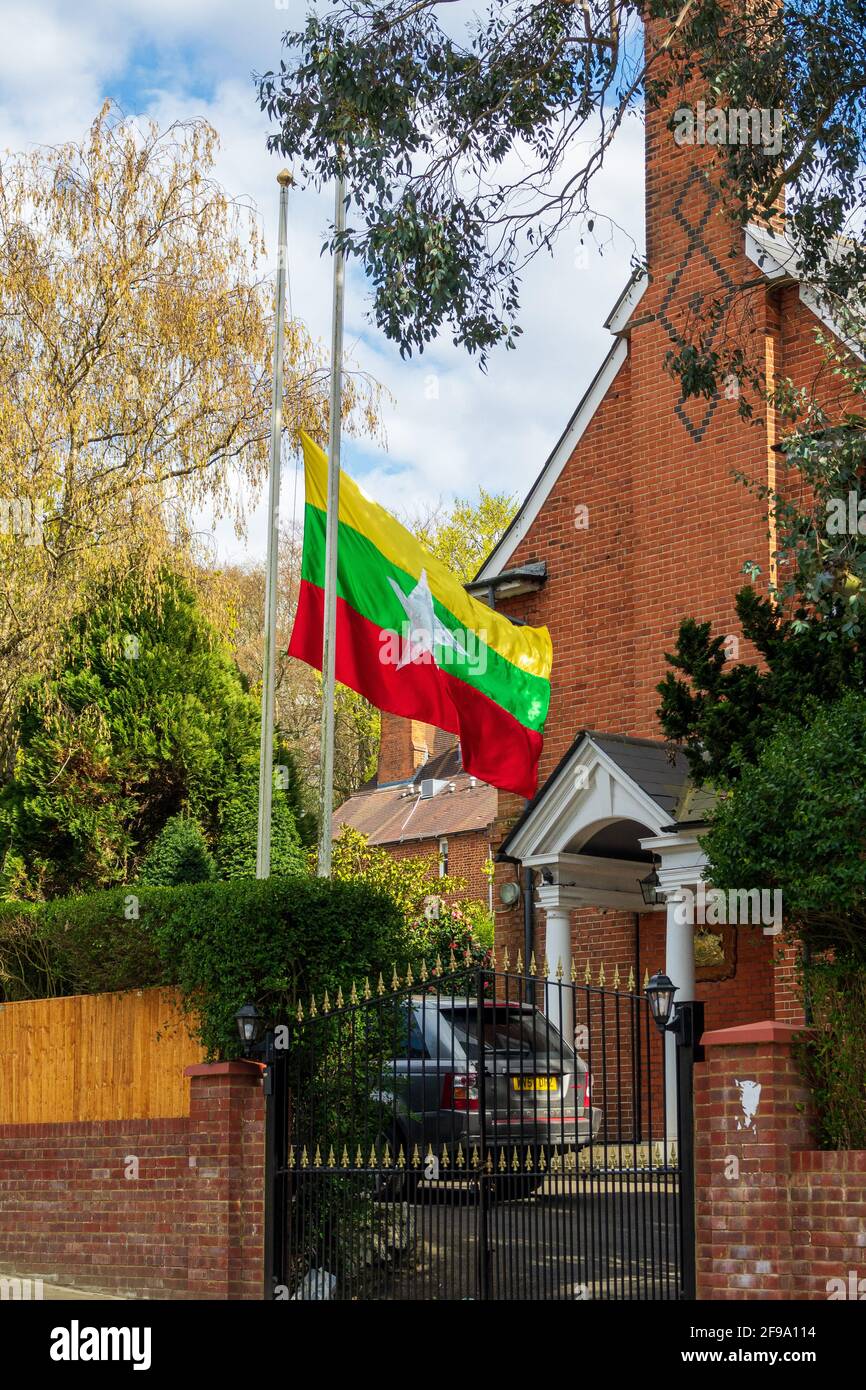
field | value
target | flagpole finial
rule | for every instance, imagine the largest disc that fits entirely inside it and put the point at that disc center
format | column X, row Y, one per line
column 285, row 178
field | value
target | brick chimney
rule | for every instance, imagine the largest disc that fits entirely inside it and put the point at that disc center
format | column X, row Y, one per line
column 405, row 745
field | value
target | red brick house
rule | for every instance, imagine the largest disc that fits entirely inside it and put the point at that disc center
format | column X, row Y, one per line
column 634, row 522
column 422, row 804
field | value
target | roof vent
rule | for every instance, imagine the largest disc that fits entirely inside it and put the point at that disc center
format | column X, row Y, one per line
column 431, row 785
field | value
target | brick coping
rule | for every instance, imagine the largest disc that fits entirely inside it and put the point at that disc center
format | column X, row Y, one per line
column 251, row 1069
column 767, row 1031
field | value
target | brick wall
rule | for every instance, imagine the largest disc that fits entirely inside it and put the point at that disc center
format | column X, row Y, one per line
column 776, row 1218
column 161, row 1208
column 467, row 854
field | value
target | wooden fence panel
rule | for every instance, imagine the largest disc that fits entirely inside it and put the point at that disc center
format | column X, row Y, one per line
column 94, row 1057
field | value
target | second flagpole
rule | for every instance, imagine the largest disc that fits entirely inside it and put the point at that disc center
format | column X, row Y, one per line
column 326, row 763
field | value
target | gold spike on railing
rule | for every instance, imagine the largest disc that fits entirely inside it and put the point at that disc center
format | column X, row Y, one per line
column 630, row 985
column 291, row 1155
column 368, row 993
column 545, row 968
column 410, row 978
column 475, row 1158
column 373, row 1160
column 416, row 1157
column 542, row 1161
column 506, row 961
column 300, row 1012
column 657, row 1156
column 444, row 1160
column 493, row 956
column 387, row 1161
column 344, row 1157
column 616, row 977
column 380, row 985
column 452, row 962
column 519, row 963
column 305, row 1158
column 395, row 980
column 573, row 973
column 528, row 1163
column 645, row 978
column 515, row 1162
column 488, row 1165
column 460, row 1160
column 317, row 1158
column 423, row 973
column 359, row 1158
column 502, row 1165
column 602, row 978
column 326, row 1004
column 533, row 969
column 673, row 1158
column 467, row 957
column 401, row 1158
column 313, row 1010
column 559, row 970
column 437, row 969
column 353, row 997
column 587, row 975
column 340, row 1001
column 332, row 1157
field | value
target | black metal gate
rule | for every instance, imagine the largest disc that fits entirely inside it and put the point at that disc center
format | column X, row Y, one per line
column 440, row 1139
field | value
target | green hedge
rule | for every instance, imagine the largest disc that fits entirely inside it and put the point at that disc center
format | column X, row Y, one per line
column 221, row 943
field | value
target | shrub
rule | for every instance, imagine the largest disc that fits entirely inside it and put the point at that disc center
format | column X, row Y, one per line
column 277, row 942
column 796, row 821
column 178, row 855
column 236, row 847
column 833, row 1056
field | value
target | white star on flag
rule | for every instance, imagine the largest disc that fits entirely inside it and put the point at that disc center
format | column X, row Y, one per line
column 426, row 631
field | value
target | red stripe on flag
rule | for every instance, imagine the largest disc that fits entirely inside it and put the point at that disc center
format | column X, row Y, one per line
column 495, row 747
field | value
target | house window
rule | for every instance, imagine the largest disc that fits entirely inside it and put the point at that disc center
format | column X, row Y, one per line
column 443, row 858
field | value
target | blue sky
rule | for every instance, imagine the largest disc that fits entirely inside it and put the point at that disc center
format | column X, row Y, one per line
column 450, row 427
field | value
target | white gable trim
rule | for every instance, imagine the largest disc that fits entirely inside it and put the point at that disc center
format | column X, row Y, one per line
column 618, row 318
column 776, row 258
column 589, row 792
column 544, row 484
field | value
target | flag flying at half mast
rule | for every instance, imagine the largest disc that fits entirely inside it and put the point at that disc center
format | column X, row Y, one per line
column 413, row 642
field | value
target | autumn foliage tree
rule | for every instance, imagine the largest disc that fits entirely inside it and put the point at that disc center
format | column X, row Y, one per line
column 135, row 377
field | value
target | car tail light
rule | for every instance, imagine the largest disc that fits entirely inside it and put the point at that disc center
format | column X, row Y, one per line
column 459, row 1091
column 586, row 1090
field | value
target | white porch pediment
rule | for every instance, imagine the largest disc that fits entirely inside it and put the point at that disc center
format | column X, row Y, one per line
column 604, row 782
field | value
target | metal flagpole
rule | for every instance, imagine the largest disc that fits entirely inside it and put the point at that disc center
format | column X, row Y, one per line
column 326, row 761
column 266, row 745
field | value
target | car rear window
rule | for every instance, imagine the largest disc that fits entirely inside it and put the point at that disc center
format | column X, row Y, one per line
column 516, row 1032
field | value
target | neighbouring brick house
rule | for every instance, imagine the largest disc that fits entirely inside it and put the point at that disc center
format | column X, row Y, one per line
column 634, row 522
column 421, row 804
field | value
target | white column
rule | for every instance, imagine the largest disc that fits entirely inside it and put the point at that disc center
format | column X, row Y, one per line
column 680, row 968
column 559, row 1002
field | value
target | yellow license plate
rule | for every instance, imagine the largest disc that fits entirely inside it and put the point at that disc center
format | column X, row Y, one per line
column 535, row 1083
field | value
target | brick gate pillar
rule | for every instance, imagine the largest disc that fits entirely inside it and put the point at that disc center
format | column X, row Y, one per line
column 226, row 1158
column 752, row 1109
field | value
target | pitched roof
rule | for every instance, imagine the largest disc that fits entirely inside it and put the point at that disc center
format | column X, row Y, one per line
column 398, row 813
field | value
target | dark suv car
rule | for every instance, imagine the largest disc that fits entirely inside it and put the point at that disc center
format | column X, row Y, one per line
column 534, row 1089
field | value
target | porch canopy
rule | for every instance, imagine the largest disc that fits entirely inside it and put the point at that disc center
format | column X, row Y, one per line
column 613, row 807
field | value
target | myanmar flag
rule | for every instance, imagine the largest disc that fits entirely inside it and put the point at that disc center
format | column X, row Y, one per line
column 413, row 642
